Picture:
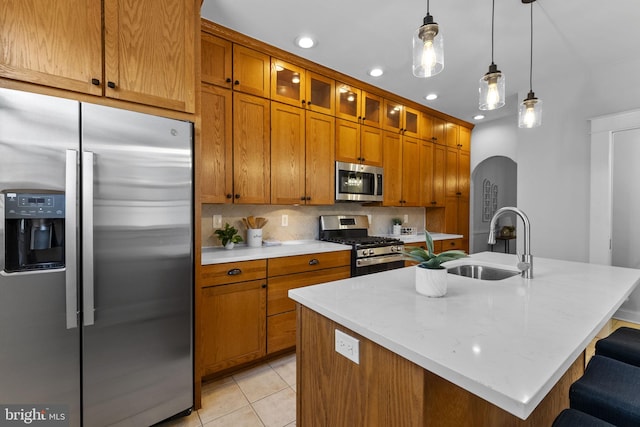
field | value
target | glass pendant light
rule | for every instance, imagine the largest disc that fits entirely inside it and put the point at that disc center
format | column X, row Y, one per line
column 530, row 110
column 428, row 51
column 492, row 83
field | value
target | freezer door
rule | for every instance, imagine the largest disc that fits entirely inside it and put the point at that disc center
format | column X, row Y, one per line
column 137, row 246
column 39, row 339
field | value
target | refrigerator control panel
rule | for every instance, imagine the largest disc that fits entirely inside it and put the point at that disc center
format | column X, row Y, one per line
column 34, row 205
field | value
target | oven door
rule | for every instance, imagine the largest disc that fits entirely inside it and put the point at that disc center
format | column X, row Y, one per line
column 355, row 182
column 377, row 264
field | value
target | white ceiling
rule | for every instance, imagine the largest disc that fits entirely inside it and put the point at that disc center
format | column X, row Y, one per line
column 570, row 36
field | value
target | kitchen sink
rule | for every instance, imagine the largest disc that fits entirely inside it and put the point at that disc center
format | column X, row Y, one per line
column 481, row 272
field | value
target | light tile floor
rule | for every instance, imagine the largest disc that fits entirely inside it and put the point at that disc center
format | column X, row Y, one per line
column 263, row 396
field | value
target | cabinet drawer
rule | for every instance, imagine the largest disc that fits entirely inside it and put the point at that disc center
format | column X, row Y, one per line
column 232, row 272
column 281, row 331
column 310, row 262
column 277, row 299
column 450, row 244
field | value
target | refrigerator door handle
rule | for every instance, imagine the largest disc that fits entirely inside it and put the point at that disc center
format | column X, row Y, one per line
column 70, row 238
column 87, row 238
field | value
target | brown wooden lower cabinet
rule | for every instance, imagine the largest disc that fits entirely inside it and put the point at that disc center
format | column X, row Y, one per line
column 307, row 270
column 245, row 315
column 232, row 315
column 233, row 324
column 388, row 390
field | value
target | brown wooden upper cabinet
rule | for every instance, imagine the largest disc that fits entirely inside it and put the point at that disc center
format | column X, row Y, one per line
column 402, row 119
column 148, row 53
column 288, row 83
column 234, row 66
column 216, row 64
column 464, row 138
column 348, row 101
column 251, row 71
column 358, row 105
column 432, row 129
column 296, row 86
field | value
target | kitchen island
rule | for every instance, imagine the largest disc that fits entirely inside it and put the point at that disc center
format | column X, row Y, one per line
column 488, row 353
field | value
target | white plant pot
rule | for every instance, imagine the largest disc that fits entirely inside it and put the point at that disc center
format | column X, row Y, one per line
column 397, row 229
column 431, row 282
column 229, row 245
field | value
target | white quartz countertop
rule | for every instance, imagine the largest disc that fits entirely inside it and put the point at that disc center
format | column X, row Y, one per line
column 507, row 341
column 219, row 255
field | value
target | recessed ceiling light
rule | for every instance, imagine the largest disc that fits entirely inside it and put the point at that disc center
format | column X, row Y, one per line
column 305, row 42
column 376, row 72
column 431, row 97
column 478, row 117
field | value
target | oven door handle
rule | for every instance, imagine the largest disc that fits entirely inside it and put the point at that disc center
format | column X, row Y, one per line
column 364, row 262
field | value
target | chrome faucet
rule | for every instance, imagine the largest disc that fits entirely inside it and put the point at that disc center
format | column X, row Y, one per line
column 526, row 261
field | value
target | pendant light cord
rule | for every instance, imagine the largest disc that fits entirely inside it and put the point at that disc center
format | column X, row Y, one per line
column 427, row 7
column 493, row 13
column 531, row 53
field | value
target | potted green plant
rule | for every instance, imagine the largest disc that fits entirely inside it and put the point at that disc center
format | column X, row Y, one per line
column 228, row 236
column 431, row 276
column 396, row 226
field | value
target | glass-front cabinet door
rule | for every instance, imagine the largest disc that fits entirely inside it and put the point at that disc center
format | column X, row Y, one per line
column 287, row 83
column 411, row 123
column 392, row 116
column 348, row 102
column 321, row 93
column 371, row 110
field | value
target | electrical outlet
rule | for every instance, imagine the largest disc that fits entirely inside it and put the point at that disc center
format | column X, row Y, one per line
column 217, row 221
column 348, row 346
column 285, row 220
column 370, row 218
column 406, row 219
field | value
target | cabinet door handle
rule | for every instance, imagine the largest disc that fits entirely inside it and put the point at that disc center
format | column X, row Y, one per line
column 314, row 261
column 303, row 198
column 237, row 196
column 228, row 80
column 458, row 194
column 308, row 198
column 264, row 286
column 112, row 85
column 234, row 272
column 229, row 196
column 95, row 82
column 236, row 83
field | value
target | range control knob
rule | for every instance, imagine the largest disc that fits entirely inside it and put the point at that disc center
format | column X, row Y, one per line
column 365, row 252
column 372, row 251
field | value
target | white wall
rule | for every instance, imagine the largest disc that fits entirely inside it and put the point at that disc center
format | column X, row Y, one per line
column 554, row 160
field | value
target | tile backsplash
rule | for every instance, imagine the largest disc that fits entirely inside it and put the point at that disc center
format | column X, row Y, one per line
column 302, row 220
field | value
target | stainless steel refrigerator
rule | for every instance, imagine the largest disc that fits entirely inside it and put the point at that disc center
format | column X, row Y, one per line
column 96, row 256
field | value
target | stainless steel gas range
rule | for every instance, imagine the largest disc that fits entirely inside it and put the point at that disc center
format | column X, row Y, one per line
column 369, row 254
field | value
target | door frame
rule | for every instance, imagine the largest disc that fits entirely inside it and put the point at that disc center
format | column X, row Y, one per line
column 603, row 130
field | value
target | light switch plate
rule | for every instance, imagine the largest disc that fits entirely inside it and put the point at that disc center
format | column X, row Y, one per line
column 406, row 219
column 348, row 346
column 285, row 220
column 217, row 221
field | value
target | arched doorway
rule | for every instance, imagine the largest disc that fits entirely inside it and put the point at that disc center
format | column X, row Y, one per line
column 494, row 184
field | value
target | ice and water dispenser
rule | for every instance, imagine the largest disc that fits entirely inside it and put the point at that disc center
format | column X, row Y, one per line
column 34, row 231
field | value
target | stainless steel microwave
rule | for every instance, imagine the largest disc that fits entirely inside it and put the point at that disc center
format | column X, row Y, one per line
column 358, row 183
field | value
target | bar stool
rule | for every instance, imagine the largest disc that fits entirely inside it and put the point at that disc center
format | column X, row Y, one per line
column 609, row 390
column 573, row 418
column 623, row 344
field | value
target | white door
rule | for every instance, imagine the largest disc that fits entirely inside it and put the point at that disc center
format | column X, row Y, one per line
column 625, row 249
